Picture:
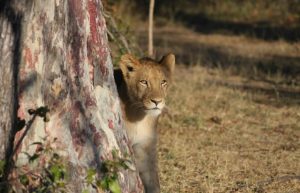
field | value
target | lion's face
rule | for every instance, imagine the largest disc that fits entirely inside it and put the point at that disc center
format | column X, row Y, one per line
column 147, row 81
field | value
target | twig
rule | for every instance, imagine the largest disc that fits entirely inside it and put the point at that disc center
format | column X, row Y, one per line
column 16, row 178
column 121, row 39
column 28, row 125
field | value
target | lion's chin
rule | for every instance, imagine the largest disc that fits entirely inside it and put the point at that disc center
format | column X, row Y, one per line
column 153, row 112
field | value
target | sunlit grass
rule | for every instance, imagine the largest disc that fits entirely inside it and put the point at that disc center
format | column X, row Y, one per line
column 220, row 139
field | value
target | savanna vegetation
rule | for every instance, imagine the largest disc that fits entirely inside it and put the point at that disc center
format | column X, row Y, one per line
column 233, row 118
column 233, row 122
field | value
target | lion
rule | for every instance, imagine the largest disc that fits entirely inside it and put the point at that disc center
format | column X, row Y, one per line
column 142, row 86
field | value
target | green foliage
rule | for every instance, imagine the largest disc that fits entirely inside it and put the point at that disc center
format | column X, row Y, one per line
column 48, row 177
column 111, row 184
column 91, row 175
column 48, row 172
column 2, row 165
column 56, row 172
column 6, row 167
column 109, row 170
column 24, row 180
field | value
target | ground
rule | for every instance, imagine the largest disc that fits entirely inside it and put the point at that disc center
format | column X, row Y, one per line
column 227, row 129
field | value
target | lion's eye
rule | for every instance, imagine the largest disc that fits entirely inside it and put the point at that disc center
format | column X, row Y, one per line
column 144, row 82
column 164, row 83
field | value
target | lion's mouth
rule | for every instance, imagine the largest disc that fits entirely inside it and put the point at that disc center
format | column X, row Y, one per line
column 153, row 111
column 155, row 108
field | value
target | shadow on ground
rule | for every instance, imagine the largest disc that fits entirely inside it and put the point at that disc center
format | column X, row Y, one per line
column 271, row 95
column 262, row 30
column 191, row 53
column 254, row 68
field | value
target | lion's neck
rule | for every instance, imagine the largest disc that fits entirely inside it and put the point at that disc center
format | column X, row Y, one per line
column 141, row 130
column 141, row 127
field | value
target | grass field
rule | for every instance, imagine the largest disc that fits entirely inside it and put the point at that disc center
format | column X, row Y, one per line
column 215, row 138
column 228, row 129
column 233, row 118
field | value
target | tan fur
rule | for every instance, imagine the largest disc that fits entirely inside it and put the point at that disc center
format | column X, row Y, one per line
column 142, row 86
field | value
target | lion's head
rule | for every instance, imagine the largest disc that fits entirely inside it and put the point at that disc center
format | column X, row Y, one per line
column 147, row 81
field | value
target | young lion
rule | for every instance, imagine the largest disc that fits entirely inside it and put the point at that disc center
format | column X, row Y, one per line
column 142, row 86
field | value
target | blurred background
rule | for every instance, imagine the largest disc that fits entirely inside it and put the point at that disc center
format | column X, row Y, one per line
column 206, row 31
column 233, row 117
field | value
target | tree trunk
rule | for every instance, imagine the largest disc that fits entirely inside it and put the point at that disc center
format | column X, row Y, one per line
column 6, row 82
column 150, row 28
column 55, row 53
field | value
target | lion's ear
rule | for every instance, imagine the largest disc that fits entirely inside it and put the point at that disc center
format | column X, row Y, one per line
column 128, row 64
column 169, row 62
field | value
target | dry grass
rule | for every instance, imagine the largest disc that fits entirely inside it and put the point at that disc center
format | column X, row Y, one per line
column 233, row 123
column 233, row 44
column 217, row 137
column 271, row 61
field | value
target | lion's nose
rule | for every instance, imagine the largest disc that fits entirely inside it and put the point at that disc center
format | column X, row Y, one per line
column 155, row 101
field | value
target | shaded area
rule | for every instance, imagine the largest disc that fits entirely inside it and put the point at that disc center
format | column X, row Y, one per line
column 192, row 53
column 262, row 30
column 272, row 95
column 7, row 12
column 273, row 74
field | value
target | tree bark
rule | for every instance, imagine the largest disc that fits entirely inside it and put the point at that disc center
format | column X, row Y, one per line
column 150, row 28
column 6, row 82
column 56, row 54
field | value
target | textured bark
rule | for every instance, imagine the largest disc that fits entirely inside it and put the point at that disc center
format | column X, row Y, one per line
column 9, row 68
column 6, row 82
column 65, row 64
